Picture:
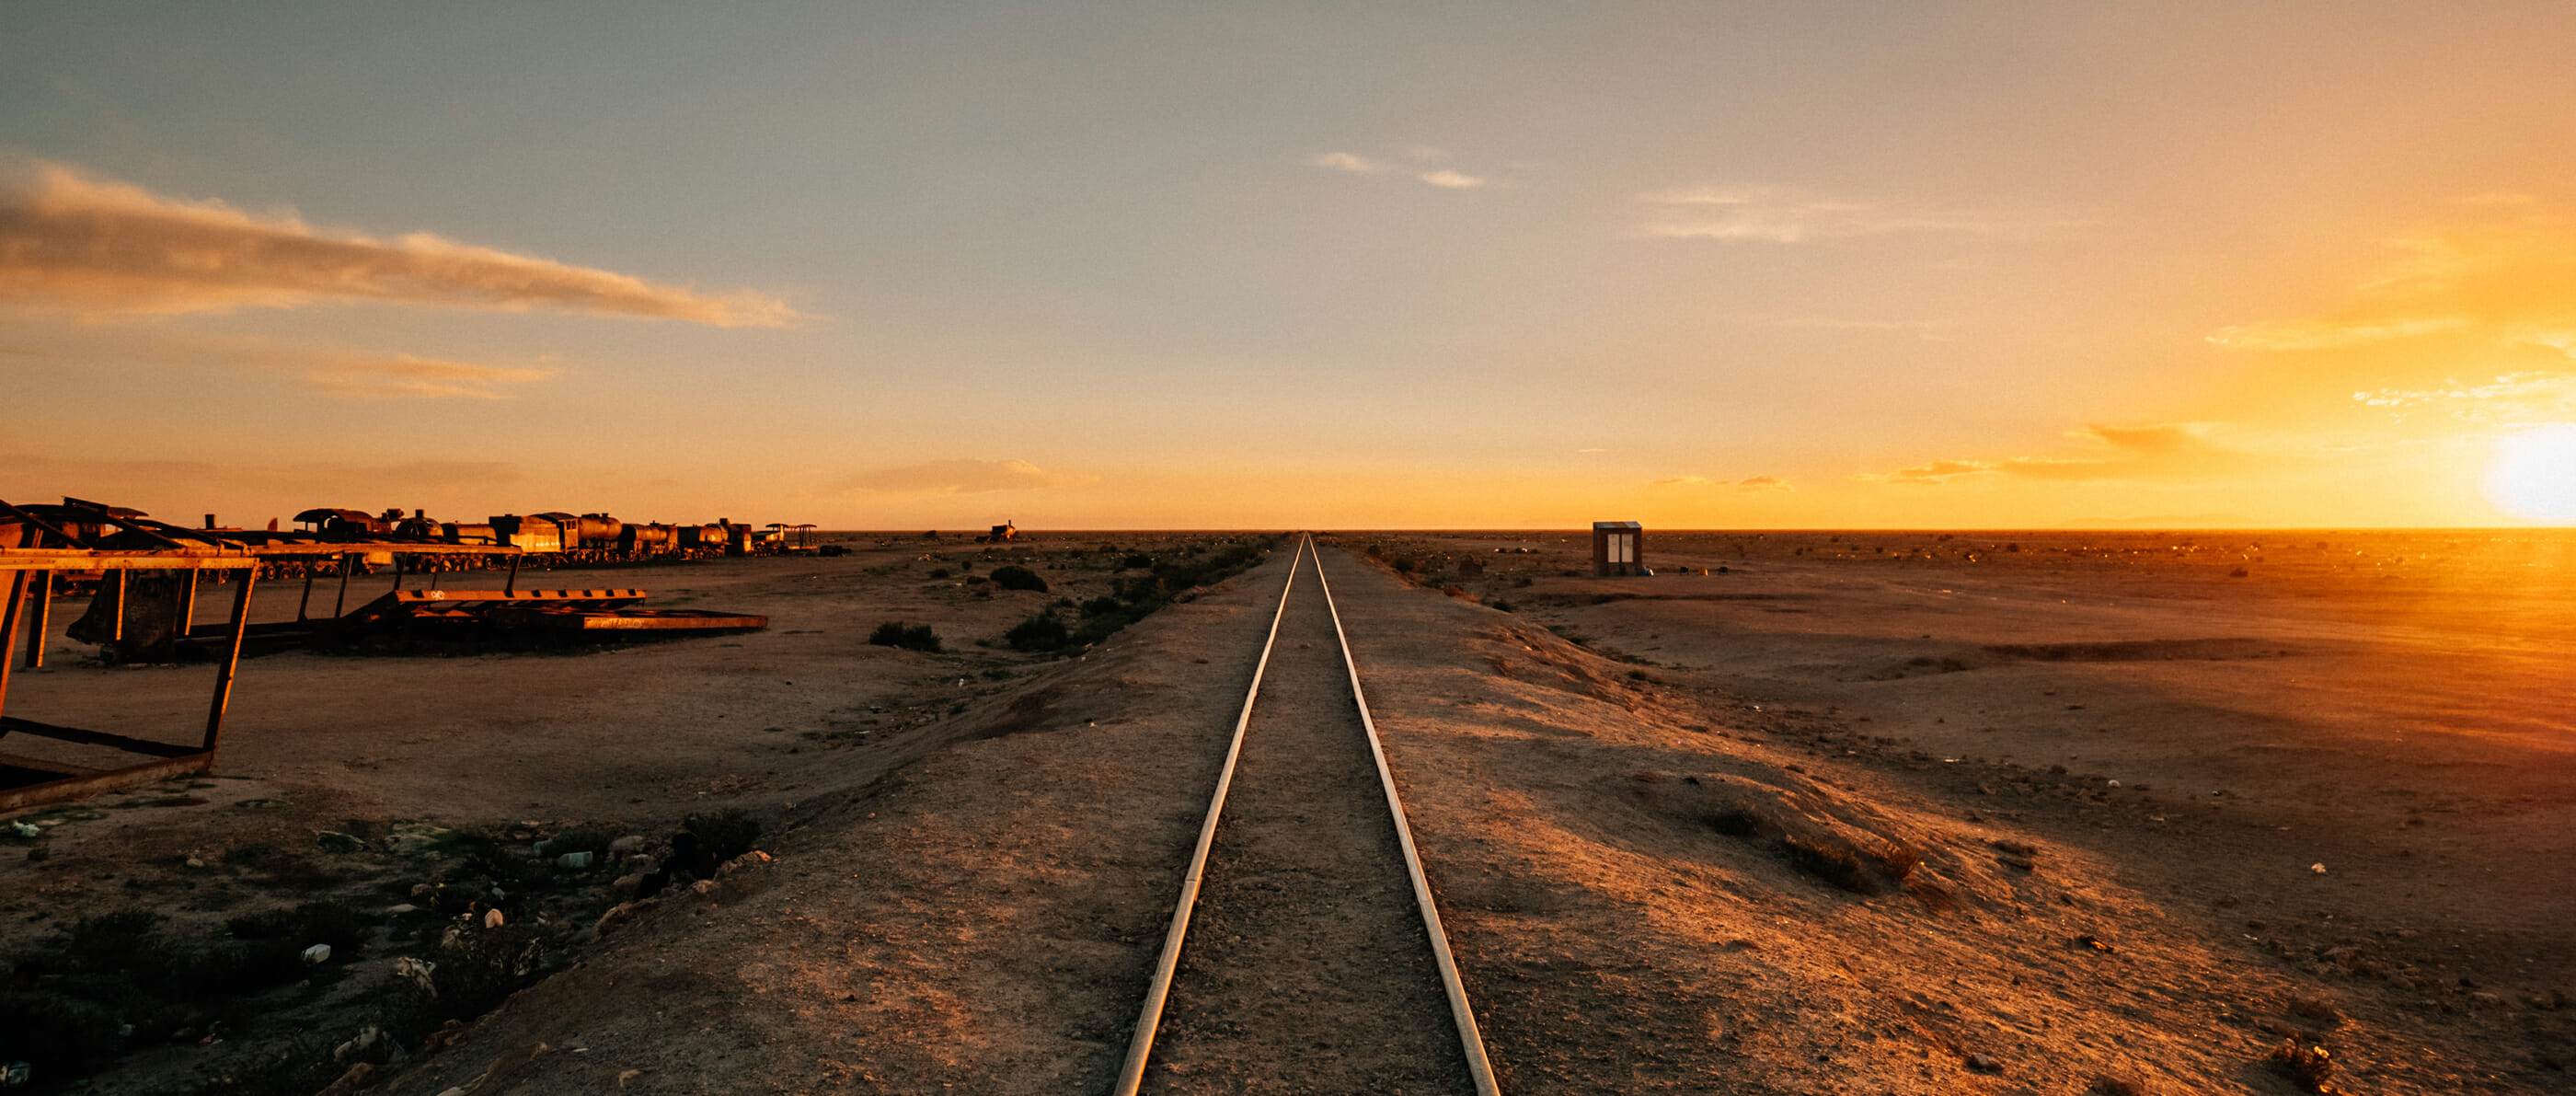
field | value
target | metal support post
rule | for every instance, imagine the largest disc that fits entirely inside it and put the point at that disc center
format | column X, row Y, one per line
column 41, row 619
column 116, row 605
column 232, row 658
column 9, row 626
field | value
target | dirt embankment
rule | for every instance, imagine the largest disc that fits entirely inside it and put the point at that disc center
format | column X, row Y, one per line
column 2331, row 808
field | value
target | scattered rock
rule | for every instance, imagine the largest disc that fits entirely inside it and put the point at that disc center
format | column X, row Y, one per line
column 492, row 919
column 617, row 915
column 1984, row 1063
column 365, row 1041
column 351, row 1081
column 419, row 972
column 443, row 1038
column 317, row 955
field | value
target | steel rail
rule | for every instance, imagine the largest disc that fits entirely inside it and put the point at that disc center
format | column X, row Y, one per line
column 1141, row 1045
column 1470, row 1039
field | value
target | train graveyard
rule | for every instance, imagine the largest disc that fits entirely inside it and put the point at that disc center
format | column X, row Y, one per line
column 1738, row 830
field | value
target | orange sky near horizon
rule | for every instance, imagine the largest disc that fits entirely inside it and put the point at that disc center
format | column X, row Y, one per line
column 1714, row 266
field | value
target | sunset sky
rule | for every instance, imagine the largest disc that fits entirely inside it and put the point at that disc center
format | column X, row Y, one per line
column 1292, row 265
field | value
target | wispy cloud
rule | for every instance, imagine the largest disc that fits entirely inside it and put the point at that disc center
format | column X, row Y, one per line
column 1747, row 484
column 2497, row 278
column 1423, row 155
column 2510, row 399
column 961, row 477
column 1347, row 161
column 403, row 376
column 1777, row 215
column 2331, row 334
column 101, row 247
column 2163, row 451
column 338, row 370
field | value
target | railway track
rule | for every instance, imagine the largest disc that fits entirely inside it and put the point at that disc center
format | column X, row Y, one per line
column 1305, row 953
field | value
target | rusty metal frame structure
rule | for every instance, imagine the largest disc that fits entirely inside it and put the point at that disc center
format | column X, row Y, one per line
column 31, row 570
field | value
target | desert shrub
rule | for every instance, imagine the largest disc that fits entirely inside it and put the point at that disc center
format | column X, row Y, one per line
column 1012, row 576
column 498, row 862
column 1101, row 606
column 57, row 1035
column 322, row 921
column 1831, row 861
column 206, row 970
column 940, row 572
column 1135, row 561
column 478, row 968
column 1897, row 859
column 1042, row 632
column 1737, row 822
column 725, row 834
column 584, row 838
column 1146, row 590
column 910, row 637
column 111, row 941
column 299, row 1065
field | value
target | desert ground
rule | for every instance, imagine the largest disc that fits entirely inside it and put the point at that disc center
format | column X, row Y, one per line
column 2043, row 812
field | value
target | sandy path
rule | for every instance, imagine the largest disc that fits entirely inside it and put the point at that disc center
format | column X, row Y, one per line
column 1307, row 968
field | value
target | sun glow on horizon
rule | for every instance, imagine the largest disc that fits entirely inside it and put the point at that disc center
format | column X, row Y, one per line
column 2533, row 475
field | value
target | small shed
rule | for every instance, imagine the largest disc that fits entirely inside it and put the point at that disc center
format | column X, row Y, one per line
column 1618, row 548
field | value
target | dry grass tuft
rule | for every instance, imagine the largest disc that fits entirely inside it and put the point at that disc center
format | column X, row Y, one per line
column 1832, row 861
column 1898, row 860
column 2310, row 1065
column 1739, row 821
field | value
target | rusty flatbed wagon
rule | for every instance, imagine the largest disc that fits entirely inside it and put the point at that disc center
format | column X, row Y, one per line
column 532, row 610
column 37, row 543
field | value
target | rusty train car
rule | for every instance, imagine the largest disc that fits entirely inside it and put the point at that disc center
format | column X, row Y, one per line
column 556, row 538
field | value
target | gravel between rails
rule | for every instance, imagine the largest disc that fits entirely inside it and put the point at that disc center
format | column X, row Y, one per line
column 1306, row 968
